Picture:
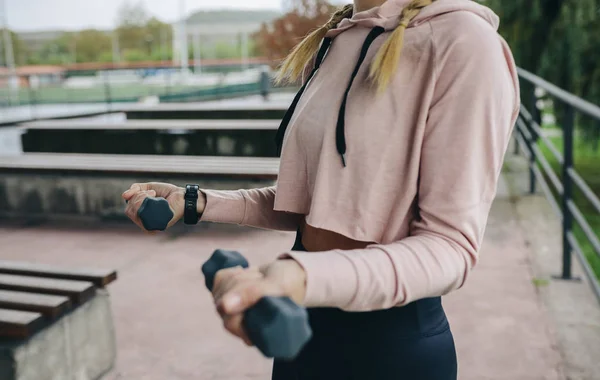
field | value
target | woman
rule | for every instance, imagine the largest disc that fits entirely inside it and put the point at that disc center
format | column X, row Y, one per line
column 390, row 156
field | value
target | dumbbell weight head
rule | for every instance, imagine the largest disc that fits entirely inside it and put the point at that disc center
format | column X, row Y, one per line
column 155, row 214
column 278, row 327
column 221, row 259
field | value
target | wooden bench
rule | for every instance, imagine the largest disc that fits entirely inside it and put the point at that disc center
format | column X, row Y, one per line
column 46, row 314
column 244, row 138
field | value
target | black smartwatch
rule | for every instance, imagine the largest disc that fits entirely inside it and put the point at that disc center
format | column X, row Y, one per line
column 190, row 213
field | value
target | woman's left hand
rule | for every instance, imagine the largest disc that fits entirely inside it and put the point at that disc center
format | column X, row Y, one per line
column 236, row 289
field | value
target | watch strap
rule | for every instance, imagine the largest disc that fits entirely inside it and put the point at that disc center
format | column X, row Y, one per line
column 190, row 212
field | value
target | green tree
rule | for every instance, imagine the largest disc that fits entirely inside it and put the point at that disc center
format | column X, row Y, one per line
column 131, row 30
column 91, row 44
column 158, row 36
column 58, row 51
column 137, row 31
column 558, row 40
column 135, row 55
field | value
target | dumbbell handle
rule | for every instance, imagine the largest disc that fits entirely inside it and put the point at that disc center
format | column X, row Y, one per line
column 261, row 321
column 155, row 214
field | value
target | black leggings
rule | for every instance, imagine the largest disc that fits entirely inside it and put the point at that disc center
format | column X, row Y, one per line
column 413, row 342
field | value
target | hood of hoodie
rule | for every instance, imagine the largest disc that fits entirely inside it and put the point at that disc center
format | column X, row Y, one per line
column 387, row 15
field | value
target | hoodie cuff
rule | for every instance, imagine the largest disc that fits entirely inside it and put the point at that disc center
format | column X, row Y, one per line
column 331, row 279
column 223, row 207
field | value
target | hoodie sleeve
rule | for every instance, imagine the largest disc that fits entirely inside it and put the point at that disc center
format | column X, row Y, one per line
column 252, row 208
column 470, row 120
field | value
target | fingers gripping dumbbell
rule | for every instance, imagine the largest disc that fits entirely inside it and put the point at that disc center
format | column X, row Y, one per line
column 277, row 326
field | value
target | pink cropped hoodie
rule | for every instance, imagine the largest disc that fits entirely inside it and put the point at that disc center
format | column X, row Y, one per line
column 413, row 170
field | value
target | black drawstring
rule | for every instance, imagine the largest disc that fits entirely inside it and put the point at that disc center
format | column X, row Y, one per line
column 340, row 138
column 288, row 115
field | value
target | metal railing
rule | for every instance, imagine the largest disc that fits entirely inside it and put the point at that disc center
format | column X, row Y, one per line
column 559, row 188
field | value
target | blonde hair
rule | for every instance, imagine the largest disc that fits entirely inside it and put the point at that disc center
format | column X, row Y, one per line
column 385, row 63
column 296, row 61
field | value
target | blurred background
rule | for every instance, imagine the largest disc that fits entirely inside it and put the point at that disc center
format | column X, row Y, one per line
column 95, row 96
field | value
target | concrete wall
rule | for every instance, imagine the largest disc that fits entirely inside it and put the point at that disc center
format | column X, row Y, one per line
column 80, row 346
column 33, row 196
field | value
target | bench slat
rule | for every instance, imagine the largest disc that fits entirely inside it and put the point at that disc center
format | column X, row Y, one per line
column 129, row 160
column 77, row 291
column 99, row 277
column 152, row 125
column 19, row 324
column 234, row 166
column 48, row 306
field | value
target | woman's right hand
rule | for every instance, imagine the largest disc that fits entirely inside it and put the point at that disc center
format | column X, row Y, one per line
column 136, row 194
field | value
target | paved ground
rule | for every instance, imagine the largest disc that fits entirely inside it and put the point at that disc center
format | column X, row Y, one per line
column 167, row 328
column 572, row 307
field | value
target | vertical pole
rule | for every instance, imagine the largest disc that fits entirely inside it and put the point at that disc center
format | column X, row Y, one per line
column 175, row 44
column 265, row 83
column 568, row 190
column 32, row 100
column 197, row 49
column 168, row 89
column 163, row 45
column 2, row 79
column 13, row 81
column 74, row 50
column 533, row 142
column 107, row 94
column 183, row 51
column 516, row 140
column 244, row 51
column 2, row 59
column 115, row 48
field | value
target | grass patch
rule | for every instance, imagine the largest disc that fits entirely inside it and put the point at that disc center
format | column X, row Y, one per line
column 540, row 282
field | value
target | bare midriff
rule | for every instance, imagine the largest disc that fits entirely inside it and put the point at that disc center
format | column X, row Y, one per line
column 316, row 239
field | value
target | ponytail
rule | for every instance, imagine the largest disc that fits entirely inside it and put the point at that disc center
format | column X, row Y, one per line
column 386, row 61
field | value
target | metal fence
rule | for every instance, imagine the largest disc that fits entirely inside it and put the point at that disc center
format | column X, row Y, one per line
column 108, row 87
column 559, row 185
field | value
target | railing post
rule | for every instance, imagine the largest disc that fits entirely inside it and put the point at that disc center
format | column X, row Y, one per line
column 168, row 82
column 535, row 114
column 32, row 99
column 568, row 127
column 107, row 94
column 516, row 134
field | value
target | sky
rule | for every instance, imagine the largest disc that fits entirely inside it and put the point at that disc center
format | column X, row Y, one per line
column 31, row 15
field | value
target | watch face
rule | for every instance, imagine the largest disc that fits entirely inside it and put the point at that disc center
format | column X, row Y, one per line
column 191, row 191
